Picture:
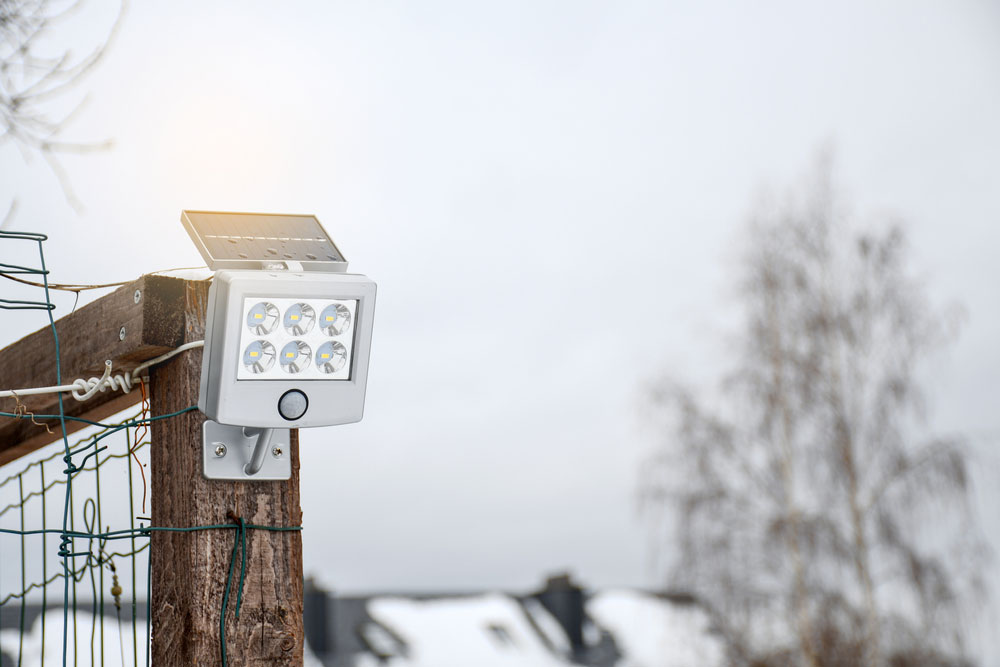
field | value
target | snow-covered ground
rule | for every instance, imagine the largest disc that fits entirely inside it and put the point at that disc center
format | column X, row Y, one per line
column 653, row 632
column 87, row 644
column 88, row 649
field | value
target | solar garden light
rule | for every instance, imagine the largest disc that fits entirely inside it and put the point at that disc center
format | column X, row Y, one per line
column 287, row 338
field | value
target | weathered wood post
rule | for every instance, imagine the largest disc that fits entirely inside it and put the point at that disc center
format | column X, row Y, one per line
column 189, row 569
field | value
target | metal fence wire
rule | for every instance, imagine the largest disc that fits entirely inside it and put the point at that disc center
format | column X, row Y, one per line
column 60, row 529
column 56, row 530
column 100, row 615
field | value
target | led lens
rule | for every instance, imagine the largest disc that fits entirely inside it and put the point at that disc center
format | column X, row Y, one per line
column 331, row 357
column 299, row 319
column 259, row 356
column 295, row 357
column 335, row 319
column 262, row 318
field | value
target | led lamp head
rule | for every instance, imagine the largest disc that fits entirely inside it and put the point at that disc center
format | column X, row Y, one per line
column 284, row 348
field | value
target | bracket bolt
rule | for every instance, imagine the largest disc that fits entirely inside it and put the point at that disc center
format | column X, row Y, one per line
column 121, row 334
column 276, row 452
column 220, row 450
column 137, row 296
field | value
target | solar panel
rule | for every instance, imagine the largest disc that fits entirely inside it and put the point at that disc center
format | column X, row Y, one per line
column 261, row 240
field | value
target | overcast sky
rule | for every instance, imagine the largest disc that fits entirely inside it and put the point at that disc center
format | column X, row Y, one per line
column 550, row 197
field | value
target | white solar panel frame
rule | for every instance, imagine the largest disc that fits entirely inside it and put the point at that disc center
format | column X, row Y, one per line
column 265, row 261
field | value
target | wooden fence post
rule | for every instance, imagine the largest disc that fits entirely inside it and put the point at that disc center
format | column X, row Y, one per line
column 189, row 570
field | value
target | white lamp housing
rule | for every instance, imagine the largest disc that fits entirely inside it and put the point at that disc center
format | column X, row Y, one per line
column 286, row 349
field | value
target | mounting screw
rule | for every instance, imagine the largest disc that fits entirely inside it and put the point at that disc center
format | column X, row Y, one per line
column 276, row 452
column 137, row 296
column 121, row 334
column 220, row 449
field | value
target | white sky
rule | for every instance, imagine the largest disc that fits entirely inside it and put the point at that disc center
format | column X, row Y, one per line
column 550, row 196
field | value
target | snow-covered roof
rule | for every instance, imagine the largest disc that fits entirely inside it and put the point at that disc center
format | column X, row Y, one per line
column 621, row 628
column 651, row 631
column 490, row 630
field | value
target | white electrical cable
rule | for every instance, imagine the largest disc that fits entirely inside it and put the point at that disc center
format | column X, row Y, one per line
column 82, row 389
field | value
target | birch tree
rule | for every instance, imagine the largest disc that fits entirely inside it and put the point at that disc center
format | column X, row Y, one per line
column 814, row 512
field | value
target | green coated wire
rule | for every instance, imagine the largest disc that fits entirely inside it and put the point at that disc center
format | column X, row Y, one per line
column 58, row 575
column 24, row 577
column 89, row 523
column 145, row 531
column 131, row 521
column 97, row 481
column 225, row 594
column 54, row 455
column 93, row 612
column 45, row 568
column 58, row 482
column 18, row 269
column 149, row 605
column 69, row 418
column 72, row 526
column 62, row 424
column 243, row 567
column 127, row 424
column 47, row 306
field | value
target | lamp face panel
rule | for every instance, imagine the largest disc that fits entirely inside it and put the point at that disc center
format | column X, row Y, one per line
column 270, row 335
column 296, row 338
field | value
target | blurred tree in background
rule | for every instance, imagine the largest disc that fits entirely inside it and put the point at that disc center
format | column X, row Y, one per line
column 814, row 515
column 38, row 71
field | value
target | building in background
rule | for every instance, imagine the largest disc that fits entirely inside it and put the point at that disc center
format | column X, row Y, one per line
column 559, row 625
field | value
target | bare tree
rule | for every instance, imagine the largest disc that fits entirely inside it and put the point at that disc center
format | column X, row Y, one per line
column 813, row 513
column 35, row 81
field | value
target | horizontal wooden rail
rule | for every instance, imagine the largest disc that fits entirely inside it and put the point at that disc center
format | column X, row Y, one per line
column 134, row 323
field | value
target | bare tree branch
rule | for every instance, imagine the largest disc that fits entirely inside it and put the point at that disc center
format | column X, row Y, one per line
column 33, row 84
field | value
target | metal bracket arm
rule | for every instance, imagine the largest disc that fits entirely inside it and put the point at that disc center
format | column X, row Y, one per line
column 244, row 453
column 263, row 437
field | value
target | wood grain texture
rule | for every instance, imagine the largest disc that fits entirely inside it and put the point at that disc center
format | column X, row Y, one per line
column 88, row 337
column 189, row 569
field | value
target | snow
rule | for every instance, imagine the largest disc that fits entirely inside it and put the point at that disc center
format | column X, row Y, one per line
column 492, row 630
column 31, row 650
column 486, row 631
column 653, row 632
column 84, row 622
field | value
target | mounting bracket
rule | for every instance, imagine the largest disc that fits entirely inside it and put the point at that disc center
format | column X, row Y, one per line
column 248, row 454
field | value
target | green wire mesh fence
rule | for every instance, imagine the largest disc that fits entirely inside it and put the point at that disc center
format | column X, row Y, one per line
column 62, row 571
column 104, row 620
